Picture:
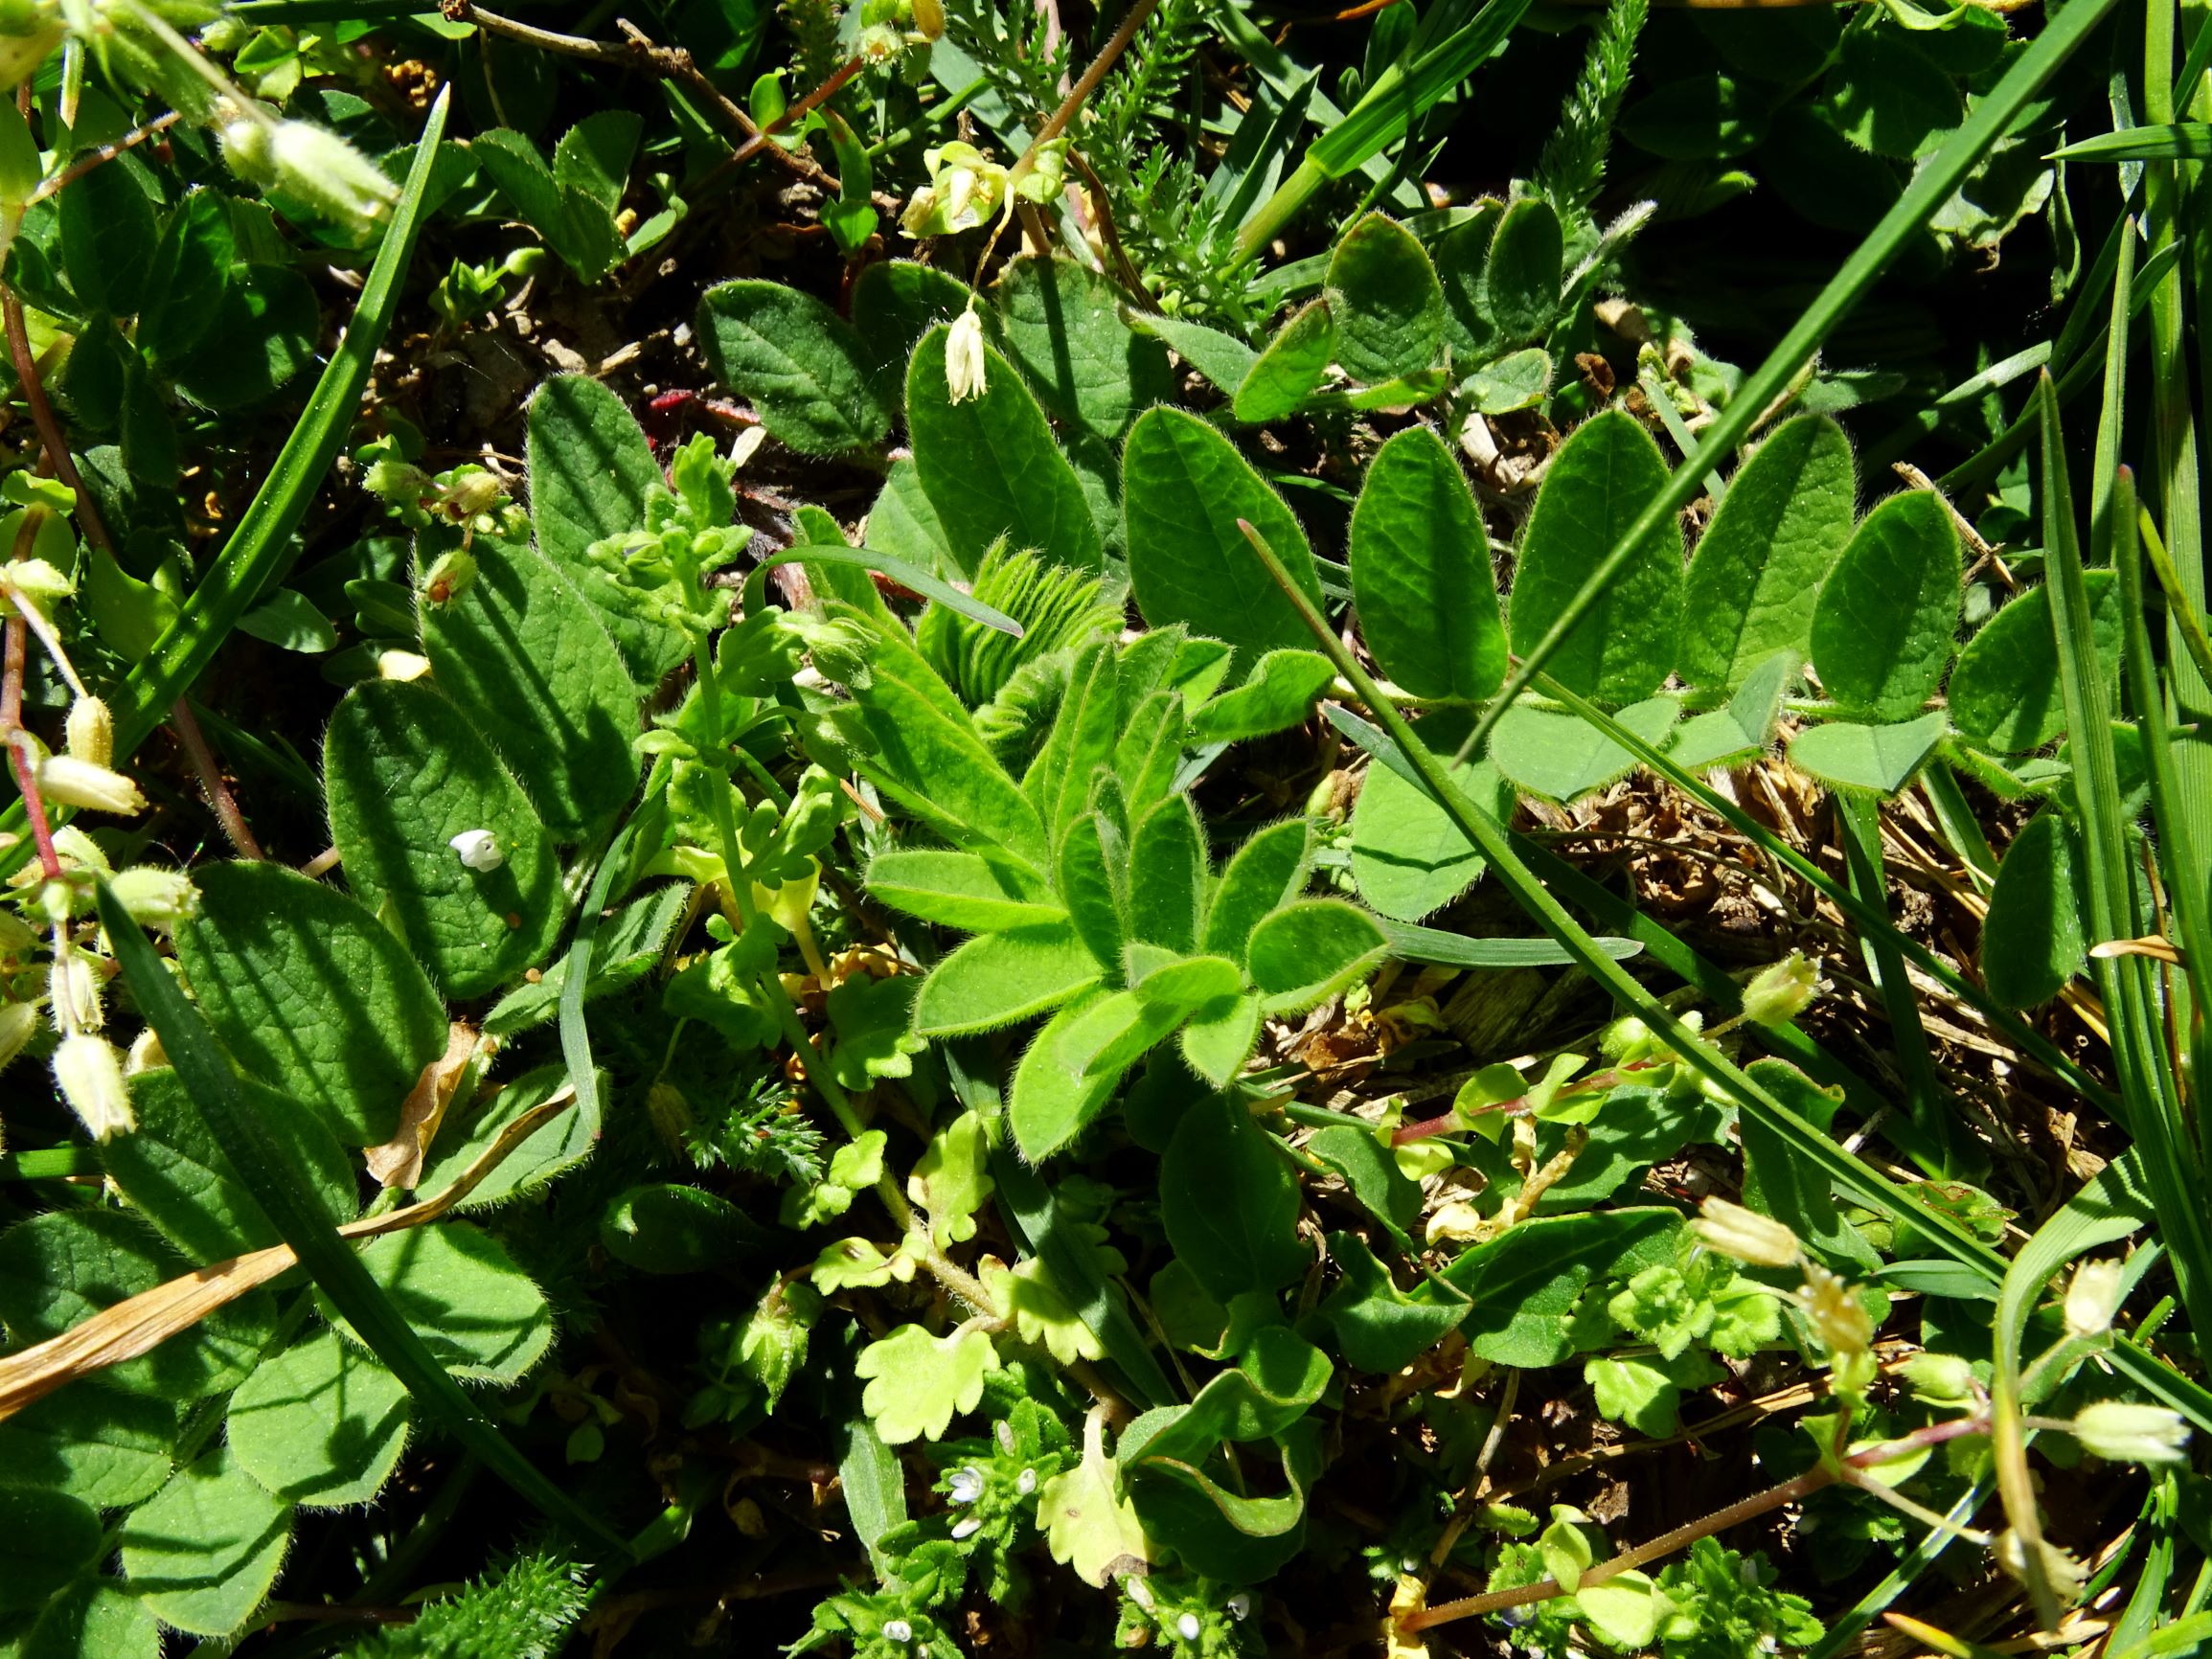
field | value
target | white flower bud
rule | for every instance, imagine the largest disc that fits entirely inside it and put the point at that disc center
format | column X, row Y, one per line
column 964, row 359
column 330, row 175
column 74, row 783
column 91, row 731
column 146, row 1054
column 39, row 581
column 17, row 1021
column 479, row 849
column 1779, row 993
column 898, row 1631
column 1139, row 1592
column 1239, row 1605
column 403, row 665
column 156, row 898
column 2130, row 1433
column 73, row 994
column 1002, row 1432
column 1940, row 1378
column 89, row 1073
column 2092, row 1297
column 1026, row 1482
column 1745, row 1235
column 967, row 1529
column 1187, row 1626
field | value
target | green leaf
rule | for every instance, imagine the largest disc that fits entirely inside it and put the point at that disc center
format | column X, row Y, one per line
column 1524, row 1282
column 1519, row 293
column 872, row 1480
column 50, row 1539
column 1216, row 1044
column 1292, row 367
column 1561, row 755
column 1888, row 98
column 903, row 522
column 100, row 1444
column 1230, row 1202
column 1089, row 1525
column 1213, row 1529
column 1266, row 872
column 959, row 890
column 1518, row 380
column 1000, row 978
column 477, row 1313
column 1411, row 944
column 665, row 1227
column 521, row 653
column 590, row 470
column 262, row 334
column 289, row 621
column 1221, row 358
column 406, row 771
column 202, row 1554
column 1364, row 1164
column 895, row 302
column 1744, row 726
column 92, row 1620
column 1887, row 615
column 1388, row 306
column 594, row 156
column 1780, row 529
column 1421, row 573
column 1407, row 857
column 928, row 757
column 990, row 465
column 2005, row 690
column 312, row 994
column 191, row 268
column 1377, row 1326
column 1600, row 480
column 1081, row 740
column 322, row 1424
column 59, row 1268
column 1169, row 876
column 563, row 203
column 1881, row 759
column 2177, row 140
column 1708, row 117
column 1091, row 885
column 108, row 235
column 1067, row 1076
column 472, row 1127
column 176, row 1176
column 2033, row 941
column 918, row 1383
column 1061, row 325
column 1310, row 950
column 1789, row 1188
column 1184, row 487
column 629, row 946
column 803, row 367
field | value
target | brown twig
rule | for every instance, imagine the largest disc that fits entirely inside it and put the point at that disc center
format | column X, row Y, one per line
column 100, row 157
column 219, row 799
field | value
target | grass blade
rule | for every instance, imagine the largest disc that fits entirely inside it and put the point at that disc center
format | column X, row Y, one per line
column 1932, row 185
column 267, row 1169
column 257, row 548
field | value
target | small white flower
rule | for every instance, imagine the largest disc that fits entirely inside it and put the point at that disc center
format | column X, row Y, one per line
column 964, row 360
column 968, row 1528
column 479, row 849
column 89, row 1074
column 1187, row 1626
column 1026, row 1482
column 1003, row 1432
column 898, row 1631
column 1240, row 1605
column 73, row 994
column 1139, row 1592
column 966, row 1484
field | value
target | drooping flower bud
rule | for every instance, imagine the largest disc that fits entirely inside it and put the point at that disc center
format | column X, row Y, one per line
column 1745, row 1235
column 929, row 19
column 322, row 169
column 146, row 1054
column 2092, row 1297
column 2127, row 1432
column 1832, row 1308
column 1940, row 1379
column 449, row 577
column 963, row 356
column 88, row 1072
column 73, row 994
column 1779, row 993
column 77, row 783
column 91, row 731
column 156, row 898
